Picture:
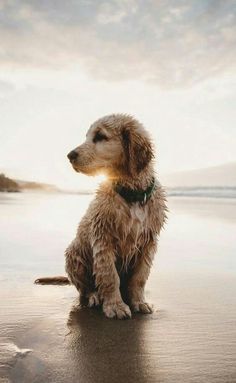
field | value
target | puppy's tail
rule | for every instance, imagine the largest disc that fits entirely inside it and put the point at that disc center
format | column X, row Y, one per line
column 60, row 280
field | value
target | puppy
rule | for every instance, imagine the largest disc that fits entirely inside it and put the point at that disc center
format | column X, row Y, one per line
column 110, row 258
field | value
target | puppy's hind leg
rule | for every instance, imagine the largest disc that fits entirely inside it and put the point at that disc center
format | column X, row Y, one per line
column 79, row 270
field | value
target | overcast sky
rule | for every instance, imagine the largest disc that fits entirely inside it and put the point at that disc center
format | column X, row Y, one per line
column 64, row 64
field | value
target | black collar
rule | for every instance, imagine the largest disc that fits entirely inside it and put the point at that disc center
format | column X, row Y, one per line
column 131, row 195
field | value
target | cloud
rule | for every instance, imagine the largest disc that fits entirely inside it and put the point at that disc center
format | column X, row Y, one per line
column 168, row 43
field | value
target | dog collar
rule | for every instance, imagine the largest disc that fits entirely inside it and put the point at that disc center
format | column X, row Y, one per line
column 131, row 195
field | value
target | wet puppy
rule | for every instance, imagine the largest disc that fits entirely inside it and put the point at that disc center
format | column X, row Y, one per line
column 110, row 258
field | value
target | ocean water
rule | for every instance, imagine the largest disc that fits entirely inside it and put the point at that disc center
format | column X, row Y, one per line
column 210, row 192
column 190, row 337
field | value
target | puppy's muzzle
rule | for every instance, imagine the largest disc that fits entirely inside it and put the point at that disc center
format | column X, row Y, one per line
column 72, row 156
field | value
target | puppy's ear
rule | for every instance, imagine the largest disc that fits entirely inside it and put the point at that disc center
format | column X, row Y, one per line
column 126, row 143
column 137, row 149
column 142, row 150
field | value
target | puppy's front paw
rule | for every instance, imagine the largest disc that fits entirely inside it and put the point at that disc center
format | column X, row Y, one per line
column 117, row 310
column 93, row 299
column 142, row 307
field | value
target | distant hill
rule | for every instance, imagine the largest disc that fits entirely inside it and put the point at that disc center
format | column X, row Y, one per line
column 30, row 185
column 217, row 176
column 8, row 185
column 216, row 182
column 11, row 185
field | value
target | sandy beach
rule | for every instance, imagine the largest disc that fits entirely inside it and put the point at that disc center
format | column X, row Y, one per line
column 190, row 337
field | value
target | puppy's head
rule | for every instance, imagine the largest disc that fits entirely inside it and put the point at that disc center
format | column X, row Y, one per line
column 115, row 145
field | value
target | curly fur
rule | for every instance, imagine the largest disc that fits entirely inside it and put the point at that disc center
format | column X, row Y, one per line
column 110, row 258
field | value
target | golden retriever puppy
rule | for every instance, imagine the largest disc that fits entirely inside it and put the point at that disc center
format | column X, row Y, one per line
column 110, row 258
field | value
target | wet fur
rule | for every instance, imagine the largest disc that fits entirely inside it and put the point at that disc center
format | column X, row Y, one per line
column 110, row 258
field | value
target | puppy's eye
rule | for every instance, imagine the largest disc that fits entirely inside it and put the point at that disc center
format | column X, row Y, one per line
column 99, row 136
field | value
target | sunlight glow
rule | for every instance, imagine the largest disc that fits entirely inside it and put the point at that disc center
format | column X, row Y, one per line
column 98, row 179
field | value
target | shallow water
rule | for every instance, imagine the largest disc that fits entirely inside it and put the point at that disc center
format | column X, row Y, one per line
column 191, row 336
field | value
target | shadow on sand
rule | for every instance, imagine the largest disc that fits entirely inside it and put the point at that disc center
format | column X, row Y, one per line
column 107, row 350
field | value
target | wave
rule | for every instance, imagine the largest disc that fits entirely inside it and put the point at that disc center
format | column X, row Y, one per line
column 213, row 192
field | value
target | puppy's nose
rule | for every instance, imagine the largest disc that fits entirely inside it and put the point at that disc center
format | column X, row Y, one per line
column 72, row 155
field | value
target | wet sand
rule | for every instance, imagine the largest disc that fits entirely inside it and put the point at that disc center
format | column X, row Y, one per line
column 190, row 337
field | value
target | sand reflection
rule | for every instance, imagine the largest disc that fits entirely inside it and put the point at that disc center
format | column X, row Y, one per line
column 109, row 350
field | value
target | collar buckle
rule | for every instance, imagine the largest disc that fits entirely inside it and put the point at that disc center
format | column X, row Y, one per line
column 144, row 199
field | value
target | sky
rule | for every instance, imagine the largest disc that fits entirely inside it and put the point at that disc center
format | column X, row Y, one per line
column 63, row 64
